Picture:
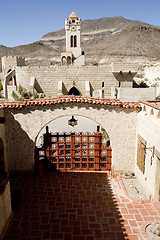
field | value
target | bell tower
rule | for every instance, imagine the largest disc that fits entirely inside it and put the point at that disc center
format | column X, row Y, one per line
column 73, row 34
column 73, row 52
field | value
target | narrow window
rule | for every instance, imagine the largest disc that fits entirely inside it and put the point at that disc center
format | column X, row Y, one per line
column 102, row 84
column 71, row 41
column 75, row 41
column 119, row 84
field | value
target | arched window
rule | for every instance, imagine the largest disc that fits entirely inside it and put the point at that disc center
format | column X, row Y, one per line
column 73, row 91
column 71, row 41
column 64, row 61
column 68, row 60
column 75, row 41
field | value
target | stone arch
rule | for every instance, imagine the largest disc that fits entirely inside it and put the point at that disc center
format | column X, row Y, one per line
column 74, row 91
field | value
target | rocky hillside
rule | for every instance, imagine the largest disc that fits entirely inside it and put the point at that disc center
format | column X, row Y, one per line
column 114, row 36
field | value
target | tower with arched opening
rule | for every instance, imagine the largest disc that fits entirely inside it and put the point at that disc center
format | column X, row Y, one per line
column 73, row 40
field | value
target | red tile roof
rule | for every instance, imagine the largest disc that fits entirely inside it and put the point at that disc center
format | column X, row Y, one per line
column 68, row 99
column 152, row 103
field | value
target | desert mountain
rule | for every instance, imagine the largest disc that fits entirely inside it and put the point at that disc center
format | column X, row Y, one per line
column 112, row 36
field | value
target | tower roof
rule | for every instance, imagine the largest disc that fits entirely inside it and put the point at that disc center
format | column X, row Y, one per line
column 73, row 16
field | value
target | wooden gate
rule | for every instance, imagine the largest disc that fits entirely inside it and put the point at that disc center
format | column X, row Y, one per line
column 76, row 151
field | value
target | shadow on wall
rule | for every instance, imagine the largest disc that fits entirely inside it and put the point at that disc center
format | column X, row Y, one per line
column 75, row 205
column 20, row 148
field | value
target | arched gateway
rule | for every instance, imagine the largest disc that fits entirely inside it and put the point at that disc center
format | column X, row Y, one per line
column 25, row 120
column 78, row 144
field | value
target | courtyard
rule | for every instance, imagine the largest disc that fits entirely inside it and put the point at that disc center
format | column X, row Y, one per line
column 77, row 206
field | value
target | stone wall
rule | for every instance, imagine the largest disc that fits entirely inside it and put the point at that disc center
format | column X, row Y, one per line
column 135, row 94
column 148, row 128
column 23, row 126
column 47, row 78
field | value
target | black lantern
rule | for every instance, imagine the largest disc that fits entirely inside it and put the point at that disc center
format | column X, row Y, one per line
column 72, row 122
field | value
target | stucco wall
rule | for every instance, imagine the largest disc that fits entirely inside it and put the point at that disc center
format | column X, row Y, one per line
column 148, row 127
column 22, row 128
column 5, row 208
column 3, row 137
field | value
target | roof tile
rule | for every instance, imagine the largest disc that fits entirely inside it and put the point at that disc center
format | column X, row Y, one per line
column 68, row 99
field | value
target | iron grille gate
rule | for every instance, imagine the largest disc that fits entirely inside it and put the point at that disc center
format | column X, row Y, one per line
column 76, row 151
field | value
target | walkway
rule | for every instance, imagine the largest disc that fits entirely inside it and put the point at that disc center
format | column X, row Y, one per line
column 78, row 206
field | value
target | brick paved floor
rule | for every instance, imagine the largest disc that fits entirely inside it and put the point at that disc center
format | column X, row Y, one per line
column 78, row 206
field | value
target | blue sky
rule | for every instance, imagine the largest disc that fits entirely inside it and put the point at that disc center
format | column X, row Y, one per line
column 25, row 21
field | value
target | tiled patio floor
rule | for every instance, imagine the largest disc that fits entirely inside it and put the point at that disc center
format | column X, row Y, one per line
column 78, row 206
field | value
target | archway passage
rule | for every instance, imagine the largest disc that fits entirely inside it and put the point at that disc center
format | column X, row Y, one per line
column 75, row 151
column 74, row 91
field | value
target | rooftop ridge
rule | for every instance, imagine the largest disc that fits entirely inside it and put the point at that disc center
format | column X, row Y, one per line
column 68, row 99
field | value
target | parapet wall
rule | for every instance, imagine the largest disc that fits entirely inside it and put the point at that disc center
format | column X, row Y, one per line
column 47, row 78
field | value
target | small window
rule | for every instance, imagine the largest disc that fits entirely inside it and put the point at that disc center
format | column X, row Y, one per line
column 68, row 139
column 84, row 159
column 68, row 145
column 91, row 139
column 77, row 165
column 68, row 152
column 61, row 165
column 104, row 152
column 54, row 159
column 68, row 159
column 91, row 165
column 54, row 145
column 77, row 159
column 141, row 154
column 84, row 139
column 61, row 139
column 77, row 152
column 84, row 145
column 91, row 159
column 54, row 139
column 68, row 165
column 61, row 152
column 91, row 145
column 61, row 145
column 91, row 152
column 102, row 84
column 119, row 84
column 61, row 159
column 84, row 165
column 77, row 139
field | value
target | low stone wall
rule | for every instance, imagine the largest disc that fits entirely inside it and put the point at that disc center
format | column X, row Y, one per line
column 5, row 210
column 135, row 94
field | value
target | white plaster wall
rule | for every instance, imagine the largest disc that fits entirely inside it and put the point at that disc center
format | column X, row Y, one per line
column 23, row 127
column 148, row 127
